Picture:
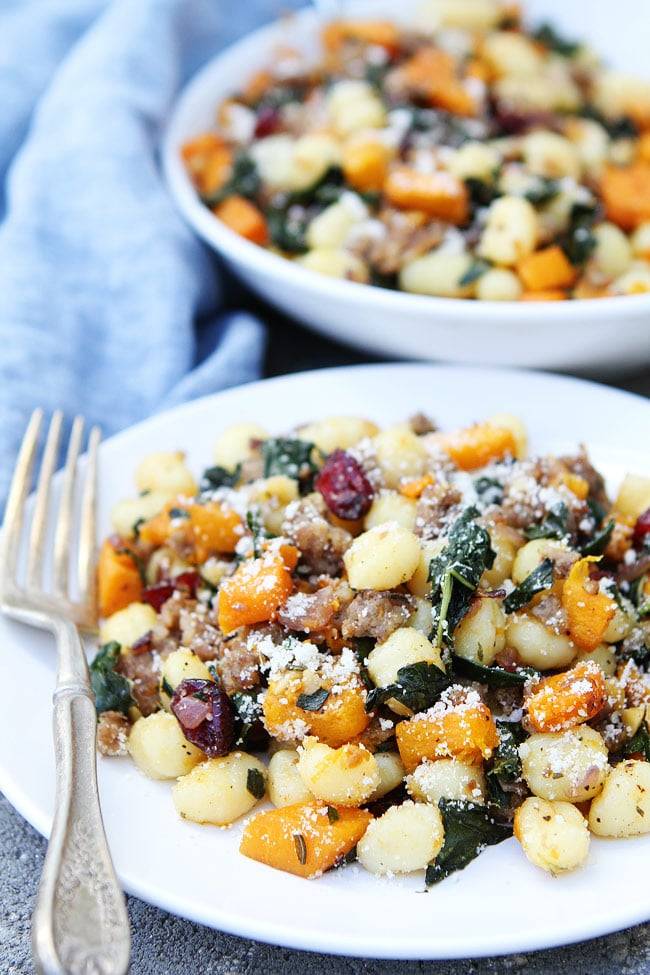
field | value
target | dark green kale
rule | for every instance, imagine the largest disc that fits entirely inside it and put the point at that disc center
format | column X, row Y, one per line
column 218, row 477
column 505, row 767
column 292, row 458
column 314, row 701
column 287, row 231
column 418, row 687
column 555, row 524
column 244, row 180
column 540, row 578
column 543, row 192
column 491, row 676
column 578, row 242
column 469, row 829
column 489, row 490
column 481, row 192
column 455, row 574
column 622, row 127
column 547, row 35
column 257, row 530
column 112, row 690
column 600, row 541
column 255, row 783
column 639, row 744
column 476, row 270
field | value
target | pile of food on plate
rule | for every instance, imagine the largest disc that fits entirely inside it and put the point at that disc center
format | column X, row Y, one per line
column 437, row 641
column 463, row 156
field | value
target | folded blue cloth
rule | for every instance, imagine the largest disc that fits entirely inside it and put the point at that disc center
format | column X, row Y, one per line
column 109, row 306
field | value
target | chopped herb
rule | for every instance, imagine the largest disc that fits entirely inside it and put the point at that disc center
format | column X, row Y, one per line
column 579, row 241
column 476, row 270
column 555, row 524
column 640, row 743
column 543, row 192
column 287, row 231
column 418, row 687
column 167, row 687
column 455, row 573
column 314, row 701
column 218, row 477
column 301, row 848
column 244, row 180
column 469, row 829
column 600, row 541
column 540, row 578
column 333, row 814
column 179, row 513
column 489, row 490
column 491, row 676
column 112, row 690
column 549, row 37
column 257, row 530
column 255, row 783
column 292, row 458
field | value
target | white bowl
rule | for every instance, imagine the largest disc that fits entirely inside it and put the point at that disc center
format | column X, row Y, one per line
column 608, row 332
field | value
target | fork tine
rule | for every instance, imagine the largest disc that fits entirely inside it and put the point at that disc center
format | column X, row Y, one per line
column 13, row 520
column 63, row 535
column 42, row 501
column 88, row 531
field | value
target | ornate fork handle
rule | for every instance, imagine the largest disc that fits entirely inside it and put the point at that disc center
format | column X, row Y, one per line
column 80, row 925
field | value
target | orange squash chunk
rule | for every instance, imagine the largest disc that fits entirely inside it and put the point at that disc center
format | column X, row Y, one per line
column 478, row 445
column 464, row 731
column 439, row 194
column 118, row 579
column 588, row 613
column 303, row 839
column 547, row 269
column 382, row 33
column 549, row 294
column 431, row 74
column 568, row 699
column 244, row 218
column 365, row 164
column 209, row 162
column 254, row 593
column 342, row 717
column 626, row 194
column 211, row 528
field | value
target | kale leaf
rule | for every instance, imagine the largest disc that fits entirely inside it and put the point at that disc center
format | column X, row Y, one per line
column 622, row 127
column 481, row 192
column 292, row 458
column 555, row 524
column 218, row 477
column 418, row 687
column 476, row 270
column 640, row 743
column 547, row 35
column 543, row 191
column 506, row 764
column 600, row 541
column 579, row 241
column 491, row 676
column 257, row 530
column 489, row 490
column 455, row 573
column 287, row 231
column 469, row 829
column 313, row 702
column 244, row 180
column 540, row 578
column 112, row 690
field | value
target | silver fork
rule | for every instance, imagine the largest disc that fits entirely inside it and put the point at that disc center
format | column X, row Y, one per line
column 80, row 925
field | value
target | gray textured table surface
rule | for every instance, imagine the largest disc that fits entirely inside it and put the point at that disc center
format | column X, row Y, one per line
column 165, row 945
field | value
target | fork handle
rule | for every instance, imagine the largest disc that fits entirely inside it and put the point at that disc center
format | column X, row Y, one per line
column 80, row 924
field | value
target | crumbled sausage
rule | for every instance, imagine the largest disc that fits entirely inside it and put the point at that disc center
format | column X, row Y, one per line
column 435, row 509
column 420, row 424
column 112, row 733
column 308, row 612
column 581, row 465
column 143, row 670
column 376, row 614
column 321, row 544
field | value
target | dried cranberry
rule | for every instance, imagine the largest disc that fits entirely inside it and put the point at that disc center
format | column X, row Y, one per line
column 205, row 715
column 642, row 527
column 158, row 594
column 343, row 484
column 268, row 121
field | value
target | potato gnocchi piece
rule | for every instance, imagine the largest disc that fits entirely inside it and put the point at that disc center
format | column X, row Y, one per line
column 404, row 839
column 345, row 776
column 404, row 647
column 382, row 558
column 446, row 778
column 218, row 791
column 159, row 748
column 623, row 807
column 165, row 472
column 553, row 835
column 285, row 784
column 570, row 766
column 128, row 625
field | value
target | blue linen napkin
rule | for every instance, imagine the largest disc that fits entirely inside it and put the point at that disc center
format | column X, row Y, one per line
column 108, row 302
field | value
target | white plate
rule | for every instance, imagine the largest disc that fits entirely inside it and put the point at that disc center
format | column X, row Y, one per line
column 500, row 903
column 610, row 332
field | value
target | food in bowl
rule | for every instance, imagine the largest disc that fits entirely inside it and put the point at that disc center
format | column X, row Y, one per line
column 414, row 643
column 464, row 156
